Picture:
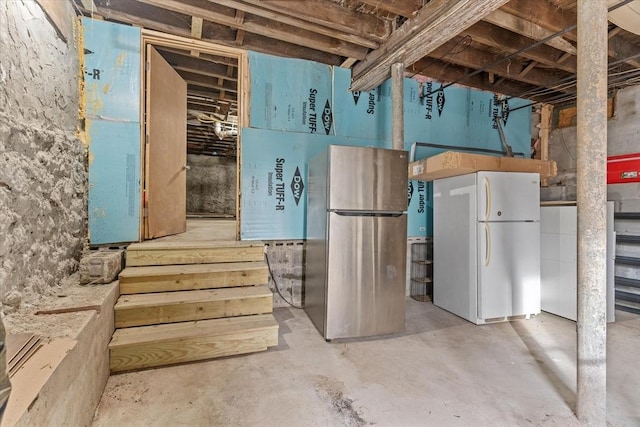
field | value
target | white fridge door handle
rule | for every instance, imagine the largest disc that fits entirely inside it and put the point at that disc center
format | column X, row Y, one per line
column 487, row 244
column 487, row 197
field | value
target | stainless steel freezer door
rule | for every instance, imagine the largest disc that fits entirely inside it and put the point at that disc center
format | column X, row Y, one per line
column 508, row 269
column 367, row 179
column 365, row 275
column 508, row 196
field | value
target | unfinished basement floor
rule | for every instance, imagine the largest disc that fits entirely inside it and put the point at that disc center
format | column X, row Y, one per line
column 444, row 371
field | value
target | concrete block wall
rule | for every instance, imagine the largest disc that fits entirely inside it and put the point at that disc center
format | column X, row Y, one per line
column 286, row 259
column 43, row 170
column 623, row 135
column 211, row 184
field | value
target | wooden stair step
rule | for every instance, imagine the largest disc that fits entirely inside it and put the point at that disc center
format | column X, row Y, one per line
column 182, row 306
column 168, row 253
column 164, row 278
column 160, row 345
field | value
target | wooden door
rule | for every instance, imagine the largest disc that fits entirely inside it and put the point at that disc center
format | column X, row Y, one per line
column 166, row 149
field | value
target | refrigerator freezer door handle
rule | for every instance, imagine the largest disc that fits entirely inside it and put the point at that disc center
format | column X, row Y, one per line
column 487, row 198
column 487, row 244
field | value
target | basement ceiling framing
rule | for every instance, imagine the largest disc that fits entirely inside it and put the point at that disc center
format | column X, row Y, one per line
column 501, row 46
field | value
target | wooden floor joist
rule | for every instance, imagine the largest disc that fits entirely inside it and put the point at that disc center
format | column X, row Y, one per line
column 159, row 345
column 136, row 280
column 169, row 307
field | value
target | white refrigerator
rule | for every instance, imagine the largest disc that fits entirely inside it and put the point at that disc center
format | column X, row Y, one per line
column 486, row 231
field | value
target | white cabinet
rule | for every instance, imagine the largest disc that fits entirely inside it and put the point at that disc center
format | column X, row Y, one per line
column 558, row 261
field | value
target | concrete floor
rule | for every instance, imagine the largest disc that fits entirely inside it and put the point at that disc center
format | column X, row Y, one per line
column 443, row 371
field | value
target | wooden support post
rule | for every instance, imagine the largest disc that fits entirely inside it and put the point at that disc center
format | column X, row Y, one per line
column 545, row 129
column 397, row 106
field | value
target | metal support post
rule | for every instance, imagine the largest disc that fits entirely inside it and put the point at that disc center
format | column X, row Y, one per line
column 591, row 401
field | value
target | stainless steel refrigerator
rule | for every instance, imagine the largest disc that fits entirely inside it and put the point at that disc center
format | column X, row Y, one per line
column 356, row 241
column 486, row 231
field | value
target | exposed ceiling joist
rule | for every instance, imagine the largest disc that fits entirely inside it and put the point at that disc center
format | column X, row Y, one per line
column 406, row 8
column 278, row 16
column 204, row 58
column 528, row 29
column 549, row 16
column 491, row 35
column 433, row 25
column 331, row 15
column 514, row 69
column 269, row 29
column 445, row 72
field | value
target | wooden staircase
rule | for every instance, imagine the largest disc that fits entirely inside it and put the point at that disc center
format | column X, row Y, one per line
column 188, row 301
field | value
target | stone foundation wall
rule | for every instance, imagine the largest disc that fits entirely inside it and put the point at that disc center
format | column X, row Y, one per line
column 211, row 184
column 43, row 170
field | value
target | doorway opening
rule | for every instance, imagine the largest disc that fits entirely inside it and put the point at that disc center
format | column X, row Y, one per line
column 193, row 110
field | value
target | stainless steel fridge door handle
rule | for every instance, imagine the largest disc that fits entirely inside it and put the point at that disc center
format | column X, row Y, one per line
column 487, row 198
column 487, row 244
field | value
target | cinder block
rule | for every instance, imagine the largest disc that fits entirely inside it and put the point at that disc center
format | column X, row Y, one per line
column 100, row 267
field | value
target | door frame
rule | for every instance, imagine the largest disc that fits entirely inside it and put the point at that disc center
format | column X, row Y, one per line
column 156, row 38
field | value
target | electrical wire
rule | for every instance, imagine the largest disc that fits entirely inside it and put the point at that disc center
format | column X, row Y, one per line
column 275, row 284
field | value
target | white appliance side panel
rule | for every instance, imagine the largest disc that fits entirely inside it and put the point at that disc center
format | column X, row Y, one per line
column 559, row 265
column 508, row 196
column 455, row 247
column 558, row 261
column 508, row 269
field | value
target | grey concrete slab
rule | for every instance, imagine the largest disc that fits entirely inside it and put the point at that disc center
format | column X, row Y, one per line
column 443, row 371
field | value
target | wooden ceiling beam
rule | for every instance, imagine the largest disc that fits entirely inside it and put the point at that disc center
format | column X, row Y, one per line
column 551, row 17
column 204, row 58
column 140, row 21
column 331, row 15
column 513, row 69
column 544, row 14
column 435, row 24
column 258, row 43
column 269, row 29
column 199, row 65
column 446, row 72
column 491, row 35
column 205, row 73
column 209, row 82
column 278, row 16
column 528, row 29
column 406, row 8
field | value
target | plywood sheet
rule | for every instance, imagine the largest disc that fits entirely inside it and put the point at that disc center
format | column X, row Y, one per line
column 27, row 382
column 60, row 16
column 451, row 163
column 165, row 173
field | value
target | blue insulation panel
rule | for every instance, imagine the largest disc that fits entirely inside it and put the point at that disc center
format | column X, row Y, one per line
column 360, row 114
column 274, row 180
column 114, row 182
column 291, row 95
column 112, row 92
column 280, row 100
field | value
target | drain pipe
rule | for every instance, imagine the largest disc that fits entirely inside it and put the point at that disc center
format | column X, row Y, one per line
column 591, row 399
column 397, row 106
